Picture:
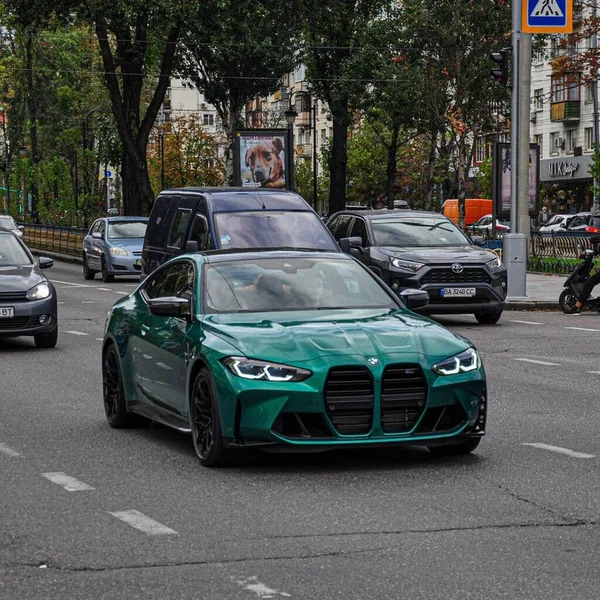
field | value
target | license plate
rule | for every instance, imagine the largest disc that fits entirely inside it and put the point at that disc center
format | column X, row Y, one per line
column 7, row 312
column 463, row 292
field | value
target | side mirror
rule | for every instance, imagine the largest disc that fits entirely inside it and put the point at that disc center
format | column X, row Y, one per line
column 414, row 299
column 45, row 263
column 169, row 306
column 191, row 246
column 21, row 228
column 478, row 240
column 351, row 243
column 97, row 235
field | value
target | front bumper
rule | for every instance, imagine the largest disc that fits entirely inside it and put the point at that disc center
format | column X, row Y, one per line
column 26, row 320
column 124, row 265
column 298, row 416
column 490, row 288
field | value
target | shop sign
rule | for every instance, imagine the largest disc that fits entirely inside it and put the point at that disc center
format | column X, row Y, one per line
column 562, row 168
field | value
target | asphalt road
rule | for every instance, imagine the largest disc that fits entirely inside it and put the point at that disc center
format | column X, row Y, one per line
column 145, row 520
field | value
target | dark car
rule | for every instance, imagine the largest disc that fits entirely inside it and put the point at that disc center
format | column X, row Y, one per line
column 27, row 298
column 423, row 250
column 113, row 246
column 199, row 219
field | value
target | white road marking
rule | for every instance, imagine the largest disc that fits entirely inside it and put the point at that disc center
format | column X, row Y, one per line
column 582, row 329
column 7, row 451
column 60, row 302
column 526, row 322
column 560, row 450
column 68, row 483
column 70, row 283
column 594, row 372
column 87, row 302
column 140, row 521
column 104, row 289
column 99, row 339
column 260, row 589
column 123, row 293
column 537, row 362
column 76, row 333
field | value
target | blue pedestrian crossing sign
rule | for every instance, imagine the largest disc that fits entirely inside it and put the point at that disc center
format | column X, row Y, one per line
column 547, row 16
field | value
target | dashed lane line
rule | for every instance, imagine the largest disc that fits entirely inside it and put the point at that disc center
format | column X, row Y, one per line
column 582, row 329
column 525, row 322
column 140, row 521
column 76, row 333
column 123, row 293
column 559, row 450
column 99, row 339
column 8, row 451
column 104, row 289
column 594, row 372
column 71, row 284
column 252, row 584
column 87, row 302
column 537, row 362
column 68, row 483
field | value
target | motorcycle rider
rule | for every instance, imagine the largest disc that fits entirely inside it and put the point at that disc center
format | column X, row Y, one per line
column 588, row 286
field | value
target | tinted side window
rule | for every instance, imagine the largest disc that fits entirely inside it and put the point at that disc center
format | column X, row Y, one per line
column 178, row 228
column 359, row 229
column 339, row 227
column 200, row 233
column 175, row 280
column 156, row 225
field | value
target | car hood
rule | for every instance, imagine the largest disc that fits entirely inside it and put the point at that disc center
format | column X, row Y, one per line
column 131, row 244
column 19, row 279
column 297, row 337
column 445, row 255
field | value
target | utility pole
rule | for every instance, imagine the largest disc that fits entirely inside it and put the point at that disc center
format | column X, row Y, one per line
column 594, row 89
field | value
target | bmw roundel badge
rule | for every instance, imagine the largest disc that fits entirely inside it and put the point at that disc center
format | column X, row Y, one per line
column 373, row 362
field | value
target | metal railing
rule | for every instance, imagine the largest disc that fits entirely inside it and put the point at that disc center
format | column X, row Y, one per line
column 557, row 252
column 64, row 240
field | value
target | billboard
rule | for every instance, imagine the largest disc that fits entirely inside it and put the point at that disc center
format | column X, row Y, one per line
column 261, row 158
column 501, row 179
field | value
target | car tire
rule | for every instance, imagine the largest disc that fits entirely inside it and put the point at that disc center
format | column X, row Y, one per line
column 465, row 447
column 87, row 272
column 488, row 318
column 115, row 406
column 567, row 302
column 106, row 276
column 205, row 422
column 46, row 340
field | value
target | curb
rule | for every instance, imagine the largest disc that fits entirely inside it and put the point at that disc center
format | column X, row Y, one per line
column 74, row 260
column 532, row 305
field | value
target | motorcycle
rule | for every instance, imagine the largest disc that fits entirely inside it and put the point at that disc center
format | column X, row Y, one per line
column 575, row 281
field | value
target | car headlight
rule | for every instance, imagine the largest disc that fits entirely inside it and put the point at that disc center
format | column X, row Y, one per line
column 406, row 265
column 461, row 363
column 39, row 292
column 116, row 251
column 246, row 368
column 494, row 264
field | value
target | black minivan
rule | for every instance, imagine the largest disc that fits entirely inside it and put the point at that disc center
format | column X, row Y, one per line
column 200, row 219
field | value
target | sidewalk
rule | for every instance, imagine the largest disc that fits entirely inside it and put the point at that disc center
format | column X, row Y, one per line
column 542, row 293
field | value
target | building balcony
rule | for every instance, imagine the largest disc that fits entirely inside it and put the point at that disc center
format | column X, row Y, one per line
column 568, row 110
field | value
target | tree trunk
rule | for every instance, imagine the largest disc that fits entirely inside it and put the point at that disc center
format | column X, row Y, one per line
column 137, row 191
column 462, row 180
column 431, row 169
column 338, row 162
column 32, row 108
column 391, row 164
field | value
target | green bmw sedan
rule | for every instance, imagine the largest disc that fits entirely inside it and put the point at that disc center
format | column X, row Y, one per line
column 288, row 350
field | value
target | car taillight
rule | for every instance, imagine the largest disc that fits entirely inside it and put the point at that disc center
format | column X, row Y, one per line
column 592, row 229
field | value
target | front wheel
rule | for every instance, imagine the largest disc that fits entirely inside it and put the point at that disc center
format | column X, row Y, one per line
column 46, row 340
column 567, row 302
column 106, row 276
column 465, row 447
column 488, row 318
column 87, row 272
column 205, row 422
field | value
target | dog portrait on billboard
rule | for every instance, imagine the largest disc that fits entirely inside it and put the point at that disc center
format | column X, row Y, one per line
column 261, row 160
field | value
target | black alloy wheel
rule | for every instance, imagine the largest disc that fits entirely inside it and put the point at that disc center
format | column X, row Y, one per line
column 87, row 272
column 114, row 395
column 46, row 340
column 488, row 318
column 205, row 422
column 465, row 447
column 567, row 302
column 106, row 276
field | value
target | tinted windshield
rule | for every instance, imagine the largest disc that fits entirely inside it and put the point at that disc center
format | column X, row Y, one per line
column 266, row 229
column 127, row 229
column 276, row 284
column 12, row 252
column 7, row 222
column 417, row 232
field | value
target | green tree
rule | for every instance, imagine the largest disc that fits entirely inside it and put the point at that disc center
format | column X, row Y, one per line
column 236, row 50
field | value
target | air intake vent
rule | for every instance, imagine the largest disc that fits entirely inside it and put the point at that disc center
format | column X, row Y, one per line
column 403, row 397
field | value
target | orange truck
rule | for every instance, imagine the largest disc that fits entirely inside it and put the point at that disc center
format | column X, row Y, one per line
column 475, row 208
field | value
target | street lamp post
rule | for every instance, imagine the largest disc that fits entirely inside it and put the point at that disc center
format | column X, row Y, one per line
column 290, row 117
column 6, row 174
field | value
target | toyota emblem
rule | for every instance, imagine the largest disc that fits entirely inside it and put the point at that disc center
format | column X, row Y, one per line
column 456, row 268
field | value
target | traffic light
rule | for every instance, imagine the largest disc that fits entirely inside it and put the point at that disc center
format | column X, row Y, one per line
column 501, row 73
